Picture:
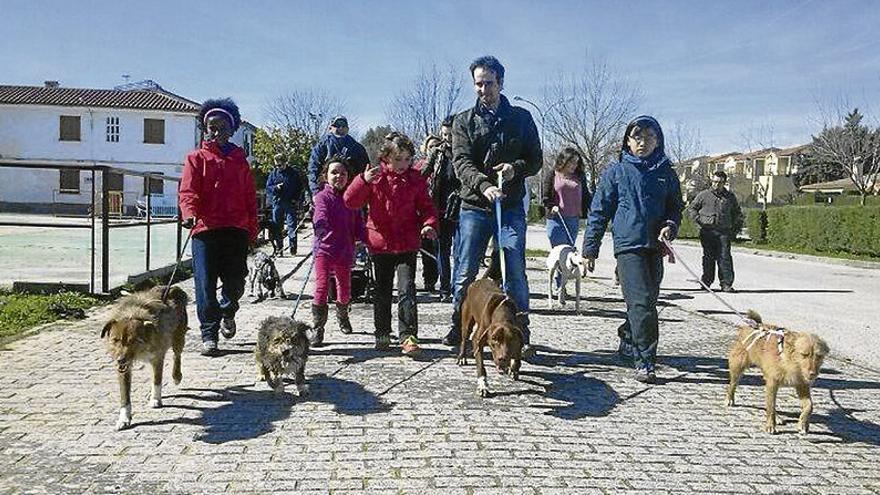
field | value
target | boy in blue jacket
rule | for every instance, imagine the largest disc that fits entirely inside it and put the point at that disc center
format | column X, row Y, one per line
column 641, row 196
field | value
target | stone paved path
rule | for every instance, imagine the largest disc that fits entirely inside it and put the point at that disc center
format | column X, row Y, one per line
column 577, row 423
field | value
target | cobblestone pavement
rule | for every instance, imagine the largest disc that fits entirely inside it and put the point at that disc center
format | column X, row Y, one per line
column 382, row 423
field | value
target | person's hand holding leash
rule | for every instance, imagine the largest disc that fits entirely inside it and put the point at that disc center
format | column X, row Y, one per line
column 665, row 234
column 428, row 232
column 371, row 174
column 506, row 170
column 493, row 193
column 554, row 210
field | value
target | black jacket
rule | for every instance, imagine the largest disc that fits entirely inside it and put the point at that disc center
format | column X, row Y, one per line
column 438, row 168
column 551, row 199
column 717, row 210
column 516, row 142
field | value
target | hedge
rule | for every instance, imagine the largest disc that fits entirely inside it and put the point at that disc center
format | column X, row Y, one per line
column 756, row 225
column 848, row 229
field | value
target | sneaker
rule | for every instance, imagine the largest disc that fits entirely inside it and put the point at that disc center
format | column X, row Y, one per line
column 728, row 288
column 209, row 348
column 410, row 346
column 645, row 375
column 452, row 339
column 227, row 328
column 293, row 249
column 383, row 342
column 528, row 352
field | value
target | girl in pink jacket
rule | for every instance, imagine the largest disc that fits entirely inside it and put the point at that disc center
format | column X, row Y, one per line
column 400, row 213
column 336, row 230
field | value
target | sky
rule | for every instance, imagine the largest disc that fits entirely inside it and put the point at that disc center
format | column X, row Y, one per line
column 723, row 69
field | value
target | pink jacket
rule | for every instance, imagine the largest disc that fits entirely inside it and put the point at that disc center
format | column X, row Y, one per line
column 399, row 207
column 337, row 227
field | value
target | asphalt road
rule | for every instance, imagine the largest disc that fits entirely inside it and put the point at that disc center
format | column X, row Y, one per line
column 839, row 303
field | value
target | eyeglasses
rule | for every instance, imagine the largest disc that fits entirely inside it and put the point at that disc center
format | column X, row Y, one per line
column 644, row 138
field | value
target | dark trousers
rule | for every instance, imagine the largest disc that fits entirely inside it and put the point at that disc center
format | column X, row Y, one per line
column 640, row 275
column 385, row 266
column 429, row 264
column 716, row 250
column 444, row 251
column 283, row 215
column 219, row 253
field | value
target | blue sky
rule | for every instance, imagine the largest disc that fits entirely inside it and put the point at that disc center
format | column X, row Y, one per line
column 720, row 67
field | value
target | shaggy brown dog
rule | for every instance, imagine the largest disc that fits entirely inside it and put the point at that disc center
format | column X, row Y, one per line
column 785, row 358
column 141, row 328
column 282, row 348
column 494, row 315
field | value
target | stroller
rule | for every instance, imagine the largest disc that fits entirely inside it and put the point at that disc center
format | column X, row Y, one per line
column 362, row 281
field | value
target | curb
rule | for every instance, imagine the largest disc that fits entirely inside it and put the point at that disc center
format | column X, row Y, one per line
column 869, row 265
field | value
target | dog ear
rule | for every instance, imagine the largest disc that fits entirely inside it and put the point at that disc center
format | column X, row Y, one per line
column 107, row 326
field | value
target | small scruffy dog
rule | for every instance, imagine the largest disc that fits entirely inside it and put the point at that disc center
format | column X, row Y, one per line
column 265, row 276
column 785, row 358
column 282, row 348
column 143, row 327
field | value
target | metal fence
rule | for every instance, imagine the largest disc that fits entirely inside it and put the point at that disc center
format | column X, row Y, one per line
column 107, row 211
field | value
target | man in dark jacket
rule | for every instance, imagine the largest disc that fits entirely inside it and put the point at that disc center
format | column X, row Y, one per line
column 284, row 191
column 337, row 142
column 489, row 139
column 641, row 196
column 443, row 184
column 720, row 218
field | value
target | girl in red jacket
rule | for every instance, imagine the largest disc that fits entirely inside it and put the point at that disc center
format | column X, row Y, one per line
column 400, row 212
column 219, row 203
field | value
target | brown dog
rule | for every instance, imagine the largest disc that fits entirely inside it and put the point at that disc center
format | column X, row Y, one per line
column 141, row 328
column 494, row 315
column 785, row 358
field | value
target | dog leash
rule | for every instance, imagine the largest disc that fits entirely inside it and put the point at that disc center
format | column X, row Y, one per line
column 746, row 320
column 429, row 255
column 177, row 265
column 567, row 232
column 301, row 291
column 498, row 235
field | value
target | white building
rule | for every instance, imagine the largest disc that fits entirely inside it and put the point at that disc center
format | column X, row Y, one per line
column 141, row 128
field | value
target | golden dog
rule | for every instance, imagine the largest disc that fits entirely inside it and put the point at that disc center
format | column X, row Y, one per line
column 141, row 328
column 494, row 315
column 785, row 358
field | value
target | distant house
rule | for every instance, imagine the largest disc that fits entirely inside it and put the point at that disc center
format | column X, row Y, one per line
column 139, row 127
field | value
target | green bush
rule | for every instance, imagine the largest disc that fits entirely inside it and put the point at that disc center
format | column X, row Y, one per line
column 535, row 214
column 844, row 229
column 688, row 228
column 756, row 225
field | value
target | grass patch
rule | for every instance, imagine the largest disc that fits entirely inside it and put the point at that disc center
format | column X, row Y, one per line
column 786, row 249
column 19, row 312
column 537, row 253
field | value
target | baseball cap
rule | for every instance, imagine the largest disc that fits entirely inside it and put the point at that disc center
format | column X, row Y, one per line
column 339, row 121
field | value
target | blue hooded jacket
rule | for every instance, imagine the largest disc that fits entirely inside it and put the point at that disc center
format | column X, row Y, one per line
column 638, row 195
column 291, row 191
column 330, row 145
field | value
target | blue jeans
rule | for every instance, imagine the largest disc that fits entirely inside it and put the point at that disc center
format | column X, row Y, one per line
column 475, row 228
column 283, row 214
column 640, row 275
column 444, row 250
column 556, row 230
column 219, row 253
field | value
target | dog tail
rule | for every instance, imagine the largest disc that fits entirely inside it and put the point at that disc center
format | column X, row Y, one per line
column 178, row 295
column 753, row 315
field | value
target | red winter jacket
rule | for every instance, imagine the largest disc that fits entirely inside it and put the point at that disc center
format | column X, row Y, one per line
column 399, row 207
column 218, row 190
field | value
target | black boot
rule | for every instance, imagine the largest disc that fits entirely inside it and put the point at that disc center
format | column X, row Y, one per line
column 319, row 319
column 342, row 318
column 453, row 338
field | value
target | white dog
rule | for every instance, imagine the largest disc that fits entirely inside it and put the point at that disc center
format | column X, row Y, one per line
column 568, row 264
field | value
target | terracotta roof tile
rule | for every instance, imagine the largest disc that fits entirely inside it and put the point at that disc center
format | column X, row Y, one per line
column 103, row 98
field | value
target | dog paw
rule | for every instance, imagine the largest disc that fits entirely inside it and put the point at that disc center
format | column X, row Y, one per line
column 124, row 420
column 729, row 402
column 770, row 428
column 155, row 403
column 482, row 387
column 177, row 378
column 461, row 361
column 803, row 429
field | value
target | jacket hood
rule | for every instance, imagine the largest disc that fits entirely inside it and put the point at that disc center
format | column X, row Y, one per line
column 658, row 155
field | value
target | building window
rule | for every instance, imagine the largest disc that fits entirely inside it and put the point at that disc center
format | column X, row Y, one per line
column 154, row 131
column 112, row 129
column 154, row 186
column 68, row 181
column 70, row 129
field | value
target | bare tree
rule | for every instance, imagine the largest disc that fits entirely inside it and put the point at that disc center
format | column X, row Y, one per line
column 853, row 149
column 432, row 95
column 683, row 143
column 303, row 109
column 589, row 110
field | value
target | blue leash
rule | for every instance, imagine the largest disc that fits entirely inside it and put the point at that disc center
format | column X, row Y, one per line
column 498, row 238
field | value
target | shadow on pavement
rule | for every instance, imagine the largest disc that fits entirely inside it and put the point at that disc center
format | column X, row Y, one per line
column 764, row 291
column 347, row 397
column 582, row 395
